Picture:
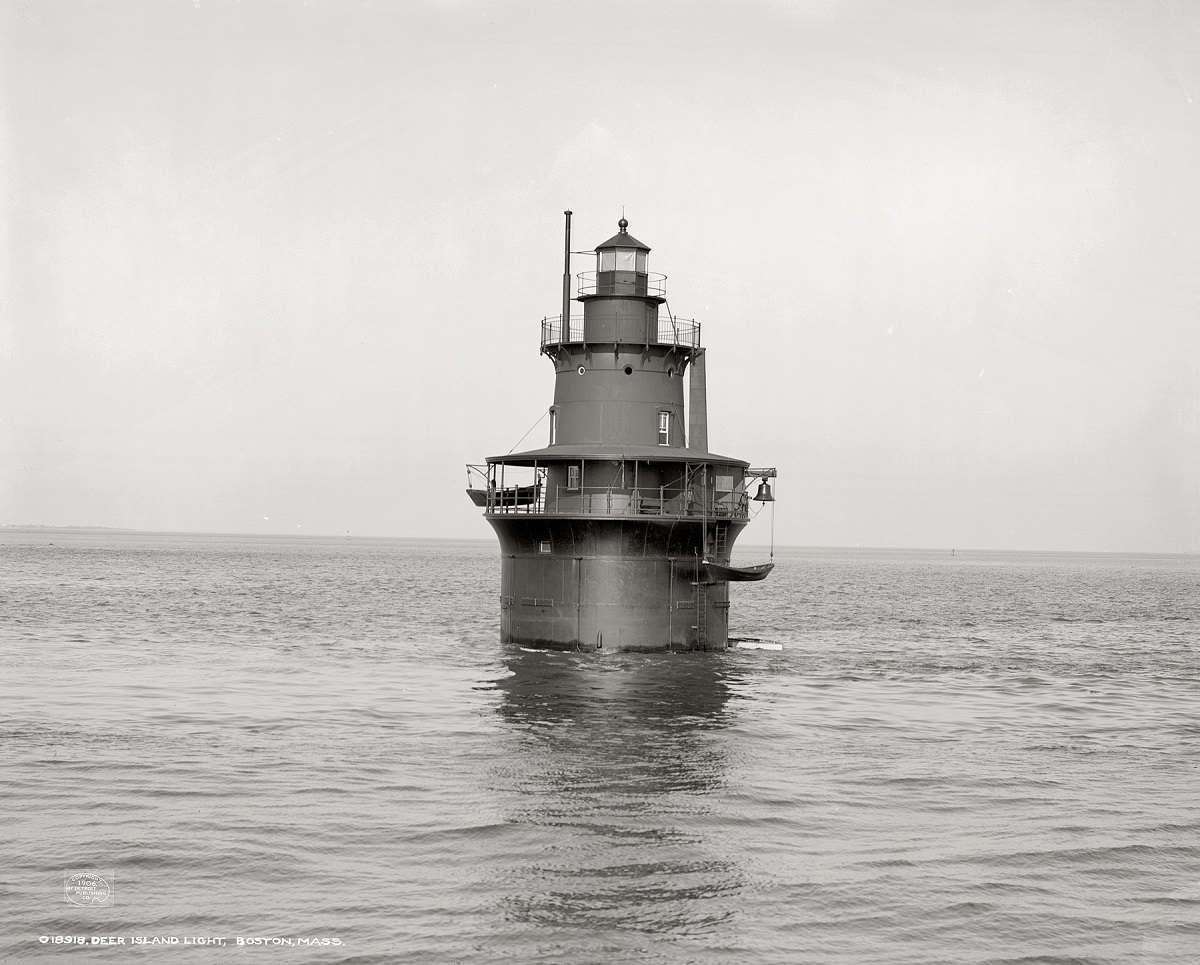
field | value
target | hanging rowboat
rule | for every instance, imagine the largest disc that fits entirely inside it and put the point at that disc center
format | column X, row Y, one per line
column 512, row 496
column 721, row 572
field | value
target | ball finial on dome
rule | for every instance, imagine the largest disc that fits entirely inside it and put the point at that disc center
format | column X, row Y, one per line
column 622, row 224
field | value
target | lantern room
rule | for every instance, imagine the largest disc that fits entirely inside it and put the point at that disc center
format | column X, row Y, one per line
column 621, row 264
column 622, row 252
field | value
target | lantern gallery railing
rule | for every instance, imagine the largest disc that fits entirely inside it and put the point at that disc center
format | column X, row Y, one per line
column 682, row 332
column 622, row 283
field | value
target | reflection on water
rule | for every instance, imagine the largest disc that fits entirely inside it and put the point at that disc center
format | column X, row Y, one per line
column 628, row 691
column 621, row 756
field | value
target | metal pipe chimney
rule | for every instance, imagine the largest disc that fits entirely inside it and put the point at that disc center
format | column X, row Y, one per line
column 697, row 404
column 566, row 301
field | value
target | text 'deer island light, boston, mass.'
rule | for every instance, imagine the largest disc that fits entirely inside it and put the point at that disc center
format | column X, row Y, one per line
column 617, row 534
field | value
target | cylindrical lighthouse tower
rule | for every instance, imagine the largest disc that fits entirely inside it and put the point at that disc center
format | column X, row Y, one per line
column 617, row 534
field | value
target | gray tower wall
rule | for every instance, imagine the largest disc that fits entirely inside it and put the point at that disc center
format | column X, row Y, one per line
column 607, row 405
column 627, row 378
column 609, row 320
column 616, row 584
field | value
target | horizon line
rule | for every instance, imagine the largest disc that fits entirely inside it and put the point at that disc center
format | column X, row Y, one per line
column 128, row 531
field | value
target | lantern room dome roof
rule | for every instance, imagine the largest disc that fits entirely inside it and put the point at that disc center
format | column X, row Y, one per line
column 622, row 239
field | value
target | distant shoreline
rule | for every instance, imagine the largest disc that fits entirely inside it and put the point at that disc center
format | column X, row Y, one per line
column 41, row 527
column 35, row 528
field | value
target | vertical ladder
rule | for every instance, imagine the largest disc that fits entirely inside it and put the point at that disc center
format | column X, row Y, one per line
column 702, row 614
column 720, row 547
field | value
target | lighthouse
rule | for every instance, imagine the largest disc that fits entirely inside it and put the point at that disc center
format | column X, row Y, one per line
column 617, row 533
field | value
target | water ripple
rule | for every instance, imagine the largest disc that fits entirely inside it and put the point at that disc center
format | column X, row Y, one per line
column 987, row 758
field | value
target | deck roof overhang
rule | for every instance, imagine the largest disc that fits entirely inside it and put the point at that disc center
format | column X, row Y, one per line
column 575, row 453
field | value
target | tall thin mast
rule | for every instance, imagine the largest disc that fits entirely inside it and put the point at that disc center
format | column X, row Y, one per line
column 566, row 302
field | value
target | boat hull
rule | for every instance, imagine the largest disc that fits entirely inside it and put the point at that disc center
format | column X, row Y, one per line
column 719, row 572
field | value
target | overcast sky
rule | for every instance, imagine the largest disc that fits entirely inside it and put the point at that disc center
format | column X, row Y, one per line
column 280, row 267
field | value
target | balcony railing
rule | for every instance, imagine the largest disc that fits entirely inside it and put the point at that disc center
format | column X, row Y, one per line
column 680, row 332
column 623, row 283
column 540, row 500
column 553, row 334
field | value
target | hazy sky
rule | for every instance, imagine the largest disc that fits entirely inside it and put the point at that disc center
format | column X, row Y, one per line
column 279, row 267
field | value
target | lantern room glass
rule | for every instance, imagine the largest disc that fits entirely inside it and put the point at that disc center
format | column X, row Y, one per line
column 622, row 259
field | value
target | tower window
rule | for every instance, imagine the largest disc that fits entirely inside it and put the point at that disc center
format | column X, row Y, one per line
column 553, row 426
column 572, row 477
column 664, row 428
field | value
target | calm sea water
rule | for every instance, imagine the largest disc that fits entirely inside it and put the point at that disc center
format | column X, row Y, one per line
column 978, row 758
